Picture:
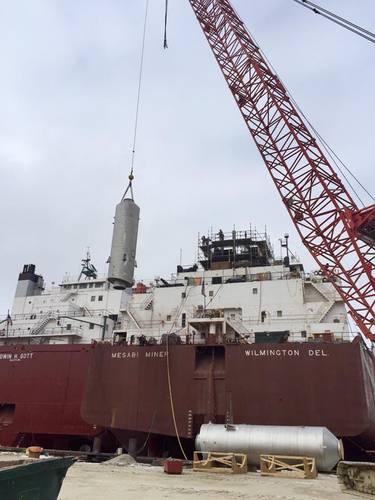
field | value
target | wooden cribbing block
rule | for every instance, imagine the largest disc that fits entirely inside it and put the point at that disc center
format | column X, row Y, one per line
column 288, row 466
column 227, row 463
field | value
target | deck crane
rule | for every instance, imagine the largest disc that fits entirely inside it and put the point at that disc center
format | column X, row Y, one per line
column 339, row 235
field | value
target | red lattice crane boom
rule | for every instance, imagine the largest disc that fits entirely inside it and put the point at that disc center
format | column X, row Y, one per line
column 339, row 236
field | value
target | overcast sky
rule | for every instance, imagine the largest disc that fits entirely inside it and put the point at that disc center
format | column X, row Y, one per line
column 67, row 99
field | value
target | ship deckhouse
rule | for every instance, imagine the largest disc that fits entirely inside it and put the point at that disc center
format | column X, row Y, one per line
column 237, row 292
column 78, row 310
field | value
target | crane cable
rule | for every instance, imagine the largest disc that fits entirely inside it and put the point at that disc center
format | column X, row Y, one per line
column 336, row 160
column 334, row 157
column 183, row 301
column 166, row 25
column 330, row 152
column 365, row 34
column 139, row 92
column 354, row 28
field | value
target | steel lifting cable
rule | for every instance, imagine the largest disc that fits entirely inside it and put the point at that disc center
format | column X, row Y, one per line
column 359, row 28
column 166, row 25
column 169, row 387
column 317, row 9
column 139, row 92
column 334, row 156
column 172, row 404
column 354, row 28
column 169, row 375
column 330, row 152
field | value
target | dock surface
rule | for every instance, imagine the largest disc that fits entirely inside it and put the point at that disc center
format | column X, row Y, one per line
column 88, row 481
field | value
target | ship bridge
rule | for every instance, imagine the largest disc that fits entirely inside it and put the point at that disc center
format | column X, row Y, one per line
column 234, row 249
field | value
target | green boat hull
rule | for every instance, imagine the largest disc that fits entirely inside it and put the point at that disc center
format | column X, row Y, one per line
column 34, row 480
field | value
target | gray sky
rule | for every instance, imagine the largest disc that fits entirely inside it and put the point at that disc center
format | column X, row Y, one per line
column 67, row 98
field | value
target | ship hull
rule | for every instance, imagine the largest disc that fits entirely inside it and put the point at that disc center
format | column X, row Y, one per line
column 41, row 391
column 314, row 384
column 64, row 396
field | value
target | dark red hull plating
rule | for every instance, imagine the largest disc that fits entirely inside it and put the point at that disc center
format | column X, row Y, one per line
column 314, row 384
column 63, row 396
column 41, row 391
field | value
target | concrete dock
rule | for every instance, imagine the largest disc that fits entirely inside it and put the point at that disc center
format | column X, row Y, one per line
column 88, row 481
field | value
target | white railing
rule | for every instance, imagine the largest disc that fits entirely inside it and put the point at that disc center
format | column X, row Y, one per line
column 73, row 278
column 158, row 337
column 59, row 312
column 61, row 331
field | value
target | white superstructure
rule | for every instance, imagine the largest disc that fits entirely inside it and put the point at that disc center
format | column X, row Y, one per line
column 78, row 310
column 237, row 293
column 274, row 300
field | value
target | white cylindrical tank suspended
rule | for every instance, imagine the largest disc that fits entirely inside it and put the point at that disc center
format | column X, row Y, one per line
column 124, row 245
column 256, row 440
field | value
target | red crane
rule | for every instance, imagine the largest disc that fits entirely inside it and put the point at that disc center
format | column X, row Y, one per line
column 339, row 235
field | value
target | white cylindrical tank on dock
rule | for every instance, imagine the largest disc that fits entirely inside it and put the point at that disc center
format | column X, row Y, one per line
column 124, row 245
column 255, row 440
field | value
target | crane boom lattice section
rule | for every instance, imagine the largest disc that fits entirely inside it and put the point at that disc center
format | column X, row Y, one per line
column 321, row 208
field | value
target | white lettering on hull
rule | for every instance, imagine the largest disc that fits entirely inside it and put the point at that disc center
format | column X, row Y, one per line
column 156, row 354
column 16, row 357
column 267, row 353
column 137, row 354
column 319, row 353
column 286, row 353
column 125, row 355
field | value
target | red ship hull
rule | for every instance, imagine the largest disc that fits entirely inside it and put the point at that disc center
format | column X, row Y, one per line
column 63, row 396
column 41, row 391
column 313, row 384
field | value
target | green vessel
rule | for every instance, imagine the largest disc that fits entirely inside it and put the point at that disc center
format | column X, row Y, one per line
column 33, row 480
